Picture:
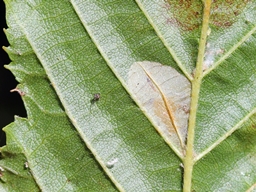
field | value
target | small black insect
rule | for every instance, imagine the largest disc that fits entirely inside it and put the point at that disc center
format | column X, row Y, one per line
column 96, row 97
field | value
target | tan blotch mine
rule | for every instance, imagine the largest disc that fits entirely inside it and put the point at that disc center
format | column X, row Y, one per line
column 164, row 96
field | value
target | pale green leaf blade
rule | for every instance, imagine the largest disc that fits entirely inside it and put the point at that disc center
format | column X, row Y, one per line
column 123, row 141
column 223, row 106
column 76, row 41
column 14, row 174
column 45, row 146
column 177, row 24
column 208, row 135
column 116, row 24
column 122, row 34
column 231, row 165
column 229, row 86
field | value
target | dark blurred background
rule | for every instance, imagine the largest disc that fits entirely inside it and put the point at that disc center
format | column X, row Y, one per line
column 10, row 103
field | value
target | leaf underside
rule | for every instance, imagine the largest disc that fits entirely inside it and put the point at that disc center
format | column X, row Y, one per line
column 64, row 52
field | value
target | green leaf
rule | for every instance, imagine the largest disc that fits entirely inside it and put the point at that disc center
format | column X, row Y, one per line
column 65, row 52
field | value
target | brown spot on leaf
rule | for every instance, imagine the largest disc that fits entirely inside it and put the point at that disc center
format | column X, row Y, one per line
column 225, row 12
column 186, row 15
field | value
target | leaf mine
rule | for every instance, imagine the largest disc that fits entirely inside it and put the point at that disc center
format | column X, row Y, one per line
column 164, row 96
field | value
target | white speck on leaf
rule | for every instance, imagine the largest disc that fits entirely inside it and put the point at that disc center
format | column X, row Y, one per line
column 111, row 164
